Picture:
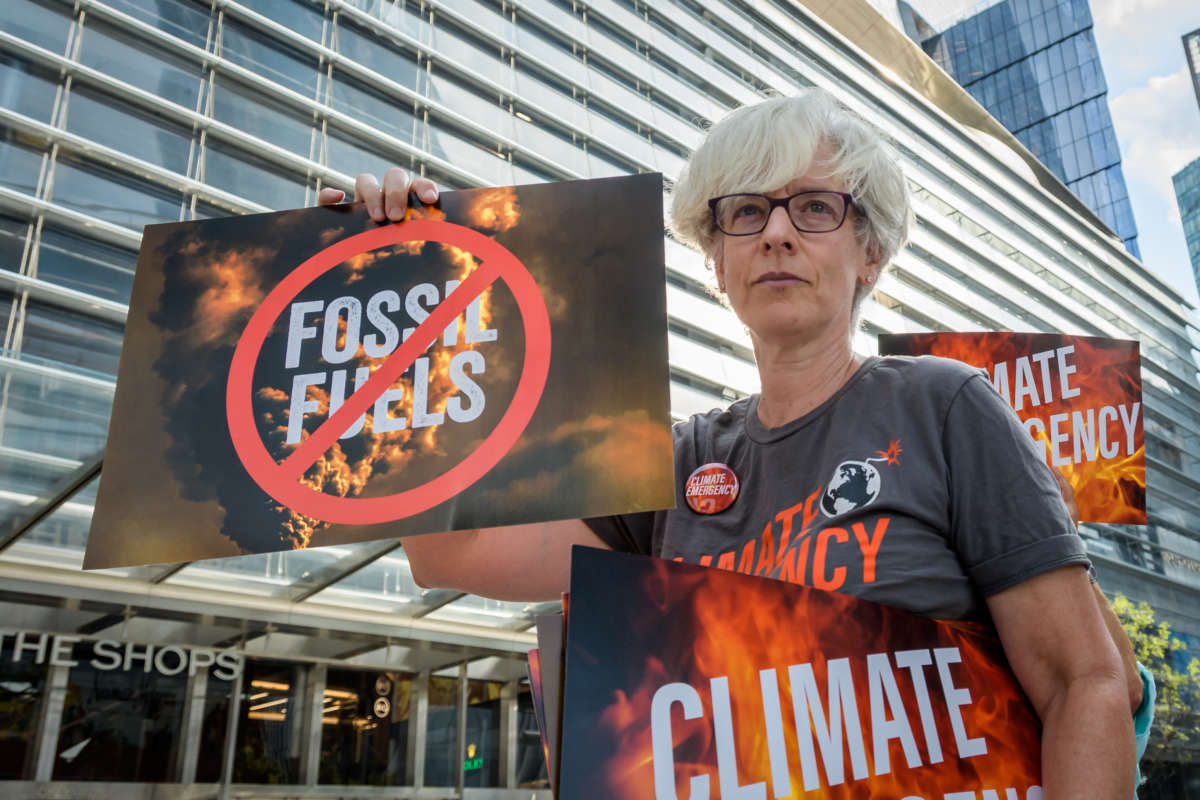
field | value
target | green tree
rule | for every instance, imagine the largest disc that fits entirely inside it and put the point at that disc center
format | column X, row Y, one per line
column 1175, row 737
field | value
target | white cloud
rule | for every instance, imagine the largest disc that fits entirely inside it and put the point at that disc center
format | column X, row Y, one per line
column 1140, row 38
column 1158, row 129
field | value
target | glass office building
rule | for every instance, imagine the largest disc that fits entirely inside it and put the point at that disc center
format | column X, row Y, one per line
column 1187, row 195
column 1034, row 65
column 328, row 671
column 1191, row 47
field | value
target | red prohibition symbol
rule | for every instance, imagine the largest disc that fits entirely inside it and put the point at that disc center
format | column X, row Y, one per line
column 282, row 480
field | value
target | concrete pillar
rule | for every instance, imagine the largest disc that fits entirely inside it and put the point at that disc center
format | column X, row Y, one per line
column 418, row 721
column 310, row 724
column 46, row 742
column 193, row 726
column 510, row 735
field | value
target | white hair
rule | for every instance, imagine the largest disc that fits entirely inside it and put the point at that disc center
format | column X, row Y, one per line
column 764, row 146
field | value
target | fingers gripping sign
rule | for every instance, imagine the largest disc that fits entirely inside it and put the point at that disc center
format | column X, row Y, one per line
column 282, row 480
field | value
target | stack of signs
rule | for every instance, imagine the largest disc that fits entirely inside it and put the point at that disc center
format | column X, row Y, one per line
column 313, row 378
column 1080, row 396
column 690, row 682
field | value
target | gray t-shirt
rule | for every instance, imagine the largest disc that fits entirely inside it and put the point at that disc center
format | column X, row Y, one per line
column 914, row 486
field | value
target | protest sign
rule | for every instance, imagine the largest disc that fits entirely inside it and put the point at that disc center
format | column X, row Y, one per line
column 1081, row 396
column 312, row 378
column 687, row 681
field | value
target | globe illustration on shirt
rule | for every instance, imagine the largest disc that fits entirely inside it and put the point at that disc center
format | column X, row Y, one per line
column 854, row 484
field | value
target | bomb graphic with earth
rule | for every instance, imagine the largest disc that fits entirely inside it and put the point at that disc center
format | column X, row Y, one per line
column 855, row 484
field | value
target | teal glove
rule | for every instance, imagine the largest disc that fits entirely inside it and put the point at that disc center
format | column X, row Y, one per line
column 1143, row 718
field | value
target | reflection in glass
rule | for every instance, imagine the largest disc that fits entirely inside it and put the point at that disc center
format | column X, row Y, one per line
column 25, row 88
column 273, row 60
column 22, row 689
column 71, row 338
column 364, row 730
column 39, row 22
column 379, row 54
column 250, row 177
column 476, row 159
column 183, row 18
column 19, row 163
column 270, row 724
column 121, row 724
column 116, row 124
column 210, row 758
column 481, row 766
column 257, row 115
column 12, row 242
column 385, row 585
column 531, row 758
column 298, row 16
column 475, row 610
column 85, row 265
column 381, row 111
column 59, row 539
column 441, row 737
column 113, row 196
column 140, row 63
column 61, row 417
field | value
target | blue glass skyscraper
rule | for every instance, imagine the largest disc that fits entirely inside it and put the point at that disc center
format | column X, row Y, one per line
column 1187, row 194
column 1034, row 65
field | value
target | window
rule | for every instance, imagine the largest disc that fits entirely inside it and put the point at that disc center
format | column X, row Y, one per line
column 12, row 242
column 364, row 731
column 270, row 724
column 39, row 22
column 22, row 689
column 251, row 112
column 186, row 19
column 273, row 60
column 121, row 724
column 140, row 64
column 248, row 176
column 298, row 16
column 379, row 54
column 71, row 338
column 121, row 126
column 113, row 196
column 388, row 114
column 25, row 88
column 20, row 161
column 85, row 265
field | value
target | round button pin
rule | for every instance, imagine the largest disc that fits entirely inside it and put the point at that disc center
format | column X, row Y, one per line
column 711, row 489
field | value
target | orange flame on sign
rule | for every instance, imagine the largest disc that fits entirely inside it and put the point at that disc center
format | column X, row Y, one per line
column 1107, row 373
column 737, row 625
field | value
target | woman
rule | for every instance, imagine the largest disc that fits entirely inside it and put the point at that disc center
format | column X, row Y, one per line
column 905, row 481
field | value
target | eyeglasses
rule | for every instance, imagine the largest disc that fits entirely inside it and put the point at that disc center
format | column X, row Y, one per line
column 810, row 212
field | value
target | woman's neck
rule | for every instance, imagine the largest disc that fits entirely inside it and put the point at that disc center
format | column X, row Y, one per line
column 796, row 379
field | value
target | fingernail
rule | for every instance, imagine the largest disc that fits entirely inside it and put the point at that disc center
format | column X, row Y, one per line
column 429, row 195
column 377, row 213
column 341, row 196
column 395, row 214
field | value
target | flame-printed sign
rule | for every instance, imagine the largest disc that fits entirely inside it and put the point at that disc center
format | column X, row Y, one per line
column 313, row 378
column 687, row 682
column 1081, row 396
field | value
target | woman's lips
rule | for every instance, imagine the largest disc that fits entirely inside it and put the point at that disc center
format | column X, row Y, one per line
column 777, row 279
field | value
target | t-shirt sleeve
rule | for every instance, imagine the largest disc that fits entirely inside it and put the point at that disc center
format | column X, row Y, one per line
column 625, row 533
column 1008, row 521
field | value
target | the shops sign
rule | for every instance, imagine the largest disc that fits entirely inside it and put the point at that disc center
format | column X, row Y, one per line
column 62, row 650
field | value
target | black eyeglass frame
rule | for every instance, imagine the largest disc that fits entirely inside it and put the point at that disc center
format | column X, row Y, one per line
column 776, row 202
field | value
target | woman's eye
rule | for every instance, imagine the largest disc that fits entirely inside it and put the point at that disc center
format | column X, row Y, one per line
column 747, row 210
column 816, row 207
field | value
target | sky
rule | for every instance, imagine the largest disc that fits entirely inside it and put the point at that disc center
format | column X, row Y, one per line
column 1154, row 112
